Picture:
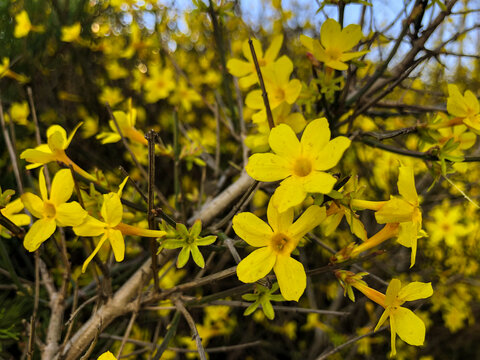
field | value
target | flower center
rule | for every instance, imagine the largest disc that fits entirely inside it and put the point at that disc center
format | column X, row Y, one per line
column 279, row 94
column 281, row 243
column 49, row 209
column 302, row 167
column 333, row 53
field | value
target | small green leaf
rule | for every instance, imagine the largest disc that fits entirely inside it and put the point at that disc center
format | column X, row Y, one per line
column 268, row 309
column 196, row 229
column 207, row 240
column 251, row 309
column 183, row 257
column 197, row 256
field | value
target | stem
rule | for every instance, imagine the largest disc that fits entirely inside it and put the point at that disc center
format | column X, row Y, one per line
column 388, row 231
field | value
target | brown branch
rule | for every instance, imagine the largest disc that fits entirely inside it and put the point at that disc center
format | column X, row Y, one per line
column 193, row 327
column 271, row 124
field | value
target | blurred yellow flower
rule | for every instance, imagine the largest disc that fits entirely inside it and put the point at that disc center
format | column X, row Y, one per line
column 334, row 44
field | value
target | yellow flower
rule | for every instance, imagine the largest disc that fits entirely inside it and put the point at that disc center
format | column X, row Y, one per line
column 6, row 72
column 334, row 44
column 465, row 108
column 447, row 224
column 277, row 84
column 10, row 212
column 276, row 241
column 107, row 356
column 184, row 96
column 245, row 70
column 112, row 96
column 111, row 229
column 51, row 210
column 71, row 33
column 54, row 150
column 159, row 84
column 404, row 210
column 23, row 25
column 403, row 321
column 126, row 123
column 300, row 163
column 19, row 113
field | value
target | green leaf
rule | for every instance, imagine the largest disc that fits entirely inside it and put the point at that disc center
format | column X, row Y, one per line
column 268, row 309
column 183, row 257
column 207, row 240
column 249, row 297
column 251, row 308
column 334, row 194
column 197, row 256
column 182, row 230
column 196, row 229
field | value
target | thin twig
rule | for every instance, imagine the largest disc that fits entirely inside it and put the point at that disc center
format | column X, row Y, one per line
column 151, row 203
column 193, row 327
column 271, row 124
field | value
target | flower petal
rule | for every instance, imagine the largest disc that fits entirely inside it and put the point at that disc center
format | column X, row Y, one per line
column 310, row 219
column 118, row 244
column 256, row 265
column 406, row 184
column 112, row 209
column 90, row 227
column 319, row 182
column 62, row 187
column 273, row 49
column 33, row 204
column 456, row 105
column 409, row 326
column 330, row 33
column 70, row 214
column 42, row 185
column 40, row 231
column 394, row 210
column 239, row 68
column 331, row 154
column 58, row 135
column 252, row 229
column 284, row 142
column 291, row 277
column 315, row 137
column 97, row 248
column 415, row 290
column 392, row 291
column 290, row 193
column 268, row 167
column 279, row 222
column 349, row 37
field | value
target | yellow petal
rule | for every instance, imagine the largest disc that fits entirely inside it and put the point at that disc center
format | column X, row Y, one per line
column 330, row 155
column 268, row 167
column 70, row 214
column 33, row 204
column 90, row 227
column 392, row 291
column 280, row 222
column 307, row 42
column 254, row 100
column 284, row 142
column 330, row 33
column 248, row 53
column 319, row 182
column 393, row 335
column 112, row 209
column 291, row 277
column 42, row 184
column 97, row 248
column 409, row 326
column 289, row 193
column 349, row 37
column 273, row 49
column 62, row 187
column 383, row 318
column 252, row 229
column 394, row 210
column 415, row 290
column 315, row 137
column 239, row 68
column 118, row 244
column 58, row 135
column 311, row 218
column 40, row 155
column 72, row 134
column 406, row 184
column 107, row 356
column 40, row 231
column 472, row 102
column 455, row 103
column 256, row 265
column 292, row 90
column 247, row 81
